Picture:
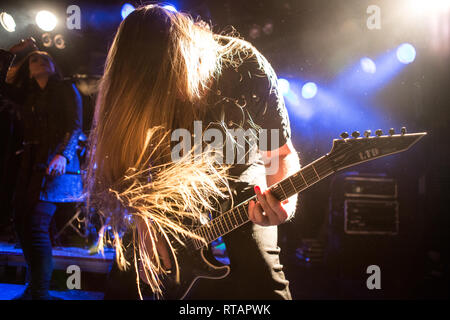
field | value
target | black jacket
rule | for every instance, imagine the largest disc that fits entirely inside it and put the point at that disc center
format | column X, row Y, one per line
column 51, row 122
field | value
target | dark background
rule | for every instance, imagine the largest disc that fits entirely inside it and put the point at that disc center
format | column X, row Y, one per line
column 319, row 41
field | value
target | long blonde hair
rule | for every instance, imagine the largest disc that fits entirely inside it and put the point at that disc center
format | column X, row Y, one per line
column 158, row 73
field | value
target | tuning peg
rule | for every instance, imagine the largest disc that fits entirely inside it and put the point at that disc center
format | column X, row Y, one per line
column 344, row 135
column 379, row 132
column 367, row 133
column 403, row 130
column 355, row 134
column 391, row 131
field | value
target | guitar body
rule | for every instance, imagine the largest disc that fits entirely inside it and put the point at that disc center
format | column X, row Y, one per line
column 194, row 265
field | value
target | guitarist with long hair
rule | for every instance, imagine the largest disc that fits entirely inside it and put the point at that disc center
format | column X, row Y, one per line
column 165, row 73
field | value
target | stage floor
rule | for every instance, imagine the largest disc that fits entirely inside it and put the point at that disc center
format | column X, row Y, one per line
column 9, row 291
column 62, row 257
column 11, row 258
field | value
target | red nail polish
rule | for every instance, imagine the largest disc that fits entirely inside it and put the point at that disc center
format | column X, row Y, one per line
column 257, row 189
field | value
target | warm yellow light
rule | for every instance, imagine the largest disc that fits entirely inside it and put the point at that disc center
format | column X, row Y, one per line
column 46, row 20
column 423, row 6
column 7, row 21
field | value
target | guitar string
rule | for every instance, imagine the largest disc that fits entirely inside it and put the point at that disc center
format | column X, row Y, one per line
column 317, row 173
column 288, row 189
column 217, row 222
column 330, row 157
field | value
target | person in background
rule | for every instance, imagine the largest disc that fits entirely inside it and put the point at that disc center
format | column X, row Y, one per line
column 51, row 122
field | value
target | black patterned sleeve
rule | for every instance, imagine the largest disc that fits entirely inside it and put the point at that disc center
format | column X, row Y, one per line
column 74, row 118
column 268, row 110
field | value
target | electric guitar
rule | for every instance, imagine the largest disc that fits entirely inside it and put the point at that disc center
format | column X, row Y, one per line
column 346, row 152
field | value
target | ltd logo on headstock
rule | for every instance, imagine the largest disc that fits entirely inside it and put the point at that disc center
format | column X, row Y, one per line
column 367, row 154
column 356, row 149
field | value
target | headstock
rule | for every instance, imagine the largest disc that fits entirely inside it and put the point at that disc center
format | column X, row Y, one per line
column 349, row 151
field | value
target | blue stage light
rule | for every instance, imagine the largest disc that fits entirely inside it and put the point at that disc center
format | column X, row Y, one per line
column 406, row 53
column 309, row 90
column 170, row 7
column 126, row 10
column 367, row 65
column 283, row 86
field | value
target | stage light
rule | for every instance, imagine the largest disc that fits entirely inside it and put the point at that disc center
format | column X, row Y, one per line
column 60, row 43
column 268, row 28
column 367, row 65
column 421, row 6
column 356, row 81
column 283, row 86
column 406, row 53
column 46, row 20
column 126, row 10
column 170, row 7
column 309, row 90
column 7, row 21
column 255, row 31
column 47, row 40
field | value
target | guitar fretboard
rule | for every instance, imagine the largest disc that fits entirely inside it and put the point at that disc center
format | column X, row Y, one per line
column 238, row 216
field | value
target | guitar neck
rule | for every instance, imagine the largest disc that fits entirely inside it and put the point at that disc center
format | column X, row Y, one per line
column 238, row 216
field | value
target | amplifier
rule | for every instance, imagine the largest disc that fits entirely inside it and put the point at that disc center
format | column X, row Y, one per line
column 369, row 187
column 371, row 217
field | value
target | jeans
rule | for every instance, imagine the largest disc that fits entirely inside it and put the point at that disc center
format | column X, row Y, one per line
column 32, row 228
column 256, row 270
